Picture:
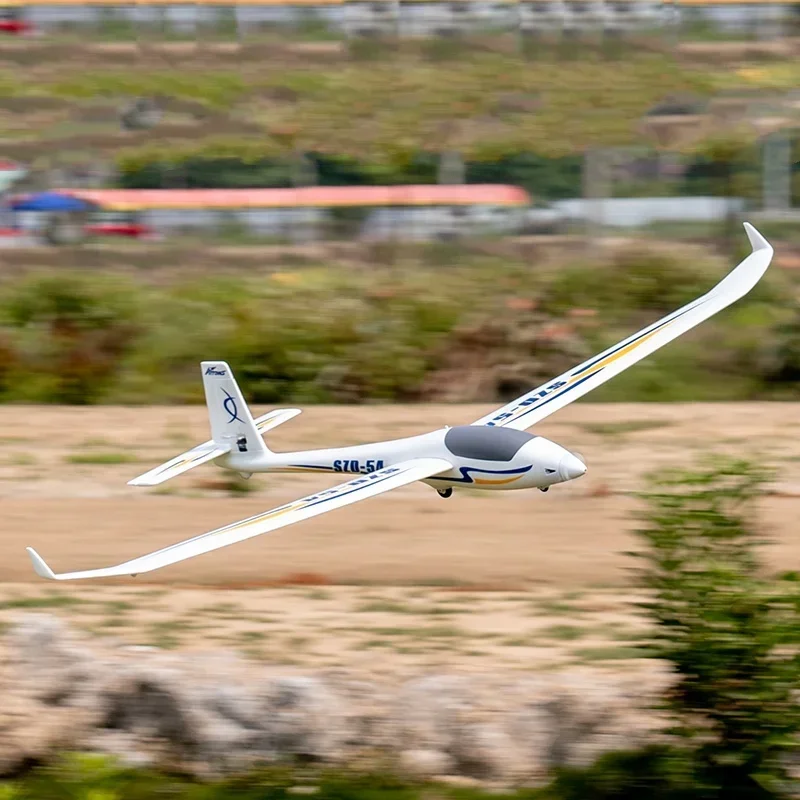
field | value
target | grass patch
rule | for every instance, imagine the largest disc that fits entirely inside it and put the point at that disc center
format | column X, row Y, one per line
column 21, row 460
column 228, row 610
column 317, row 594
column 384, row 607
column 566, row 633
column 96, row 441
column 371, row 644
column 612, row 653
column 624, row 426
column 49, row 601
column 118, row 606
column 166, row 634
column 439, row 611
column 249, row 637
column 432, row 632
column 107, row 458
column 115, row 621
column 516, row 641
column 555, row 607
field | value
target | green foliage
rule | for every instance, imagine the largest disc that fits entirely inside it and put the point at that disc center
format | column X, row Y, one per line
column 202, row 166
column 654, row 773
column 634, row 278
column 342, row 334
column 730, row 633
column 216, row 89
column 64, row 334
column 488, row 104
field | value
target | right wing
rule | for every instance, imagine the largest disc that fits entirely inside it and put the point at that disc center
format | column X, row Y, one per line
column 360, row 488
column 559, row 392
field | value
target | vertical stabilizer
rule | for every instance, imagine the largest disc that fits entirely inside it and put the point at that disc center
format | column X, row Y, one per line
column 231, row 423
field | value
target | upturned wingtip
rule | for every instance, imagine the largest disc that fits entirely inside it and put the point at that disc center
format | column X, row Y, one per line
column 39, row 565
column 757, row 241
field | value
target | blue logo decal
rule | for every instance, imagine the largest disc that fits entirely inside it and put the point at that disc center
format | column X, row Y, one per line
column 466, row 473
column 230, row 406
column 220, row 373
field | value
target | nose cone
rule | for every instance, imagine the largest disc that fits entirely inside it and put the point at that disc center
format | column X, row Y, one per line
column 571, row 467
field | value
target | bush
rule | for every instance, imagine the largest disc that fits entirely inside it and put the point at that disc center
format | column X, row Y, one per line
column 66, row 334
column 342, row 334
column 730, row 633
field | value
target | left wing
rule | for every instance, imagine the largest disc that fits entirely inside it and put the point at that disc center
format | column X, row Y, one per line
column 359, row 488
column 550, row 397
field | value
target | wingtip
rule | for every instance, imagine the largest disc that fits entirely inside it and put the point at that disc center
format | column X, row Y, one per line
column 40, row 566
column 757, row 241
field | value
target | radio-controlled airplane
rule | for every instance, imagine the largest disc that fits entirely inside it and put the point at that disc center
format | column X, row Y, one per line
column 493, row 453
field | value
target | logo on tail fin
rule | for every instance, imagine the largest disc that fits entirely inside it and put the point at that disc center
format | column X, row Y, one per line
column 220, row 373
column 229, row 405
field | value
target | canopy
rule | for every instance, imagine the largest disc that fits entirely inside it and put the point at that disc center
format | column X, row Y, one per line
column 49, row 201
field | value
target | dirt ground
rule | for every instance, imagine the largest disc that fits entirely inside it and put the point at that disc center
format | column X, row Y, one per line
column 517, row 578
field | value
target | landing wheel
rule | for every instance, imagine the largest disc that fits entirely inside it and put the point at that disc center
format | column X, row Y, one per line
column 544, row 488
column 448, row 492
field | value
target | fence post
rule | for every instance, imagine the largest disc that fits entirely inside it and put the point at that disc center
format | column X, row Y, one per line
column 777, row 171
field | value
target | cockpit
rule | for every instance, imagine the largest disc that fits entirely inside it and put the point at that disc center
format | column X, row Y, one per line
column 484, row 443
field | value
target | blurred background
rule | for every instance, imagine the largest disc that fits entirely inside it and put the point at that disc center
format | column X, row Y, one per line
column 398, row 214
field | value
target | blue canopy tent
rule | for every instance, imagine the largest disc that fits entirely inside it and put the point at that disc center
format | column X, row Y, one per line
column 50, row 201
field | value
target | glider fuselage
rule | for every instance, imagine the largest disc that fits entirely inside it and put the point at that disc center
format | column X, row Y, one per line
column 482, row 458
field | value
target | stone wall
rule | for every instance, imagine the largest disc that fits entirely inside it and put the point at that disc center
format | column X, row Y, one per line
column 216, row 715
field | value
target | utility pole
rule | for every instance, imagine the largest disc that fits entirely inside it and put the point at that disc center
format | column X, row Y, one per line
column 777, row 171
column 596, row 188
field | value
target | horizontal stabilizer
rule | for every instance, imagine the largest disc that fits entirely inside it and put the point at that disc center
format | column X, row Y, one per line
column 180, row 464
column 274, row 418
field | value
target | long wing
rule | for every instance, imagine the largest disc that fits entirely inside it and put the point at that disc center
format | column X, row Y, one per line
column 359, row 488
column 550, row 397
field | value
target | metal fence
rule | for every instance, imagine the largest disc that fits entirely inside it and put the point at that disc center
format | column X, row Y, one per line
column 240, row 20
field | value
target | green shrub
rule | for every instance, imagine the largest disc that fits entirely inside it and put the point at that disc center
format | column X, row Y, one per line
column 342, row 334
column 635, row 278
column 67, row 333
column 730, row 632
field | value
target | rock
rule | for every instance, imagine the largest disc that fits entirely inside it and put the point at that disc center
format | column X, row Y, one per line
column 426, row 763
column 570, row 719
column 214, row 717
column 304, row 717
column 45, row 690
column 50, row 663
column 430, row 712
column 208, row 727
column 485, row 751
column 459, row 781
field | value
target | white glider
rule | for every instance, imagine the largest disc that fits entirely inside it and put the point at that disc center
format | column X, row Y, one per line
column 494, row 453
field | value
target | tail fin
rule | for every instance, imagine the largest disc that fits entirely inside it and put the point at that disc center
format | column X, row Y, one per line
column 232, row 426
